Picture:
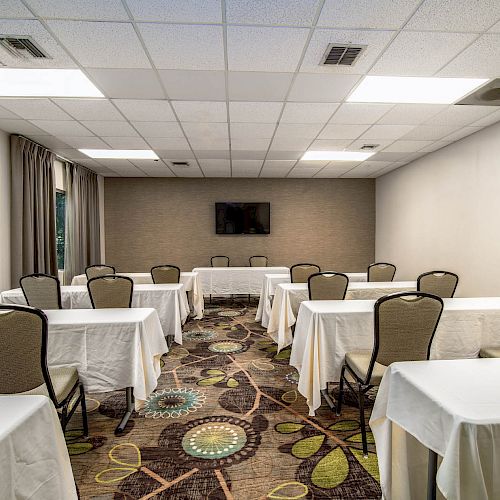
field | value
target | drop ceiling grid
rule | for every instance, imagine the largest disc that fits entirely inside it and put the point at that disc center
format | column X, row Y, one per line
column 315, row 18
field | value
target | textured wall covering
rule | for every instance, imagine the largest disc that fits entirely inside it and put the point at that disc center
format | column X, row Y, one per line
column 152, row 221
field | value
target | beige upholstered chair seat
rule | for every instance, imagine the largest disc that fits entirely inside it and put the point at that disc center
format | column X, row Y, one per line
column 359, row 361
column 63, row 379
column 490, row 352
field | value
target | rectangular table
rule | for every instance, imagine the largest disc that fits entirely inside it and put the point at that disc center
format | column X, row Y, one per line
column 169, row 300
column 326, row 330
column 449, row 407
column 33, row 455
column 289, row 296
column 190, row 281
column 269, row 284
column 235, row 280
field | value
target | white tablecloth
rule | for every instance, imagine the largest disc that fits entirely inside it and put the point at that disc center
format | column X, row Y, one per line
column 288, row 297
column 34, row 460
column 169, row 300
column 235, row 280
column 450, row 407
column 326, row 330
column 111, row 348
column 190, row 281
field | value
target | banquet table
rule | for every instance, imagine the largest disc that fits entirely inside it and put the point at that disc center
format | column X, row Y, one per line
column 190, row 281
column 288, row 297
column 235, row 280
column 327, row 329
column 268, row 288
column 448, row 407
column 169, row 300
column 34, row 460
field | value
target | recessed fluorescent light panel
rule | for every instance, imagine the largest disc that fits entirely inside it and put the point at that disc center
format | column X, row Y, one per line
column 122, row 154
column 16, row 82
column 413, row 90
column 336, row 155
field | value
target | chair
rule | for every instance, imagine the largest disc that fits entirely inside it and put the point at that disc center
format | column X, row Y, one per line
column 440, row 283
column 165, row 274
column 108, row 292
column 381, row 271
column 258, row 261
column 405, row 324
column 41, row 291
column 219, row 261
column 99, row 270
column 327, row 286
column 23, row 363
column 299, row 273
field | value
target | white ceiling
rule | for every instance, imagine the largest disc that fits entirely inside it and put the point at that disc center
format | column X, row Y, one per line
column 236, row 88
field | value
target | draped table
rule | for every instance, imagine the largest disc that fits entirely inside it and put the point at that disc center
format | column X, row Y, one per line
column 289, row 296
column 34, row 460
column 169, row 300
column 190, row 281
column 327, row 329
column 449, row 407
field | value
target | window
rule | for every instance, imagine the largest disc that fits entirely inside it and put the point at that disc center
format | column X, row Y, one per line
column 60, row 227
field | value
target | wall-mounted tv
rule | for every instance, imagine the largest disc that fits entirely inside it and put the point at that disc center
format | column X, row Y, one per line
column 242, row 218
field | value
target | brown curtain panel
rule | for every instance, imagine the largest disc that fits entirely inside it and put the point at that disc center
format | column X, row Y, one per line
column 33, row 225
column 83, row 244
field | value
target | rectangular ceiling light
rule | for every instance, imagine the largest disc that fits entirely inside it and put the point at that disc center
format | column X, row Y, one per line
column 337, row 155
column 414, row 90
column 122, row 154
column 17, row 82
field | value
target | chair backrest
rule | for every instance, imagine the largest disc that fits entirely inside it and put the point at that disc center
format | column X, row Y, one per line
column 258, row 261
column 327, row 286
column 110, row 291
column 219, row 261
column 299, row 273
column 440, row 283
column 99, row 270
column 23, row 350
column 381, row 271
column 165, row 274
column 41, row 290
column 405, row 324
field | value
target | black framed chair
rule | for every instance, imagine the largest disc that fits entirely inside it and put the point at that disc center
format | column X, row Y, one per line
column 299, row 273
column 404, row 327
column 258, row 261
column 440, row 283
column 219, row 261
column 489, row 352
column 42, row 291
column 23, row 363
column 327, row 285
column 381, row 271
column 113, row 291
column 166, row 273
column 97, row 270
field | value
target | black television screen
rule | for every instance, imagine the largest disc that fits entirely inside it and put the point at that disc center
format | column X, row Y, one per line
column 242, row 218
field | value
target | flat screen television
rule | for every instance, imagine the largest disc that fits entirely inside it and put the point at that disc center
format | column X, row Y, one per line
column 242, row 218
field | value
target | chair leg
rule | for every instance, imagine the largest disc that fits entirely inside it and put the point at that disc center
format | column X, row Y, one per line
column 83, row 404
column 129, row 394
column 248, row 299
column 361, row 401
column 341, row 391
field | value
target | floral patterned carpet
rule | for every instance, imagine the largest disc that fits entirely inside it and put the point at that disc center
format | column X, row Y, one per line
column 225, row 422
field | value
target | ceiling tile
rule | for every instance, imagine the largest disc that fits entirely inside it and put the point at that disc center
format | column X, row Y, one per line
column 487, row 120
column 207, row 144
column 274, row 172
column 322, row 88
column 89, row 109
column 145, row 110
column 49, row 142
column 246, row 168
column 201, row 130
column 175, row 154
column 177, row 11
column 255, row 86
column 195, row 85
column 306, row 173
column 70, row 154
column 243, row 154
column 101, row 44
column 495, row 28
column 215, row 163
column 110, row 128
column 420, row 53
column 248, row 144
column 460, row 134
column 312, row 163
column 289, row 144
column 160, row 170
column 329, row 144
column 20, row 127
column 126, row 142
column 360, row 114
column 429, row 132
column 213, row 154
column 298, row 130
column 311, row 112
column 381, row 144
column 410, row 114
column 127, row 83
column 252, row 130
column 332, row 172
column 177, row 46
column 365, row 169
column 84, row 142
column 83, row 9
column 14, row 9
column 407, row 146
column 278, row 164
column 386, row 132
column 41, row 109
column 248, row 48
column 191, row 171
column 337, row 131
column 200, row 111
column 5, row 113
column 255, row 112
column 391, row 156
column 435, row 146
column 158, row 129
column 460, row 115
column 216, row 167
column 390, row 168
column 284, row 155
column 359, row 14
column 61, row 127
column 374, row 40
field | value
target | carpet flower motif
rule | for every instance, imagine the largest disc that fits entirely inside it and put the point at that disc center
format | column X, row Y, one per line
column 173, row 403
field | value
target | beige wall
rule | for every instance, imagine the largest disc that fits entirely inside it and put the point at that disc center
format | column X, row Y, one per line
column 156, row 220
column 443, row 212
column 4, row 211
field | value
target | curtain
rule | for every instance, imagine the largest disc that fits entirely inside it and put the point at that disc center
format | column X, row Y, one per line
column 83, row 242
column 33, row 228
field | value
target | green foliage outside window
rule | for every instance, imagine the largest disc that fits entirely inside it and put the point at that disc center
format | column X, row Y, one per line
column 60, row 227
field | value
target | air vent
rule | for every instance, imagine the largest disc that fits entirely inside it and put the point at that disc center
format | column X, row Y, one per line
column 369, row 147
column 22, row 48
column 342, row 55
column 181, row 164
column 487, row 95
